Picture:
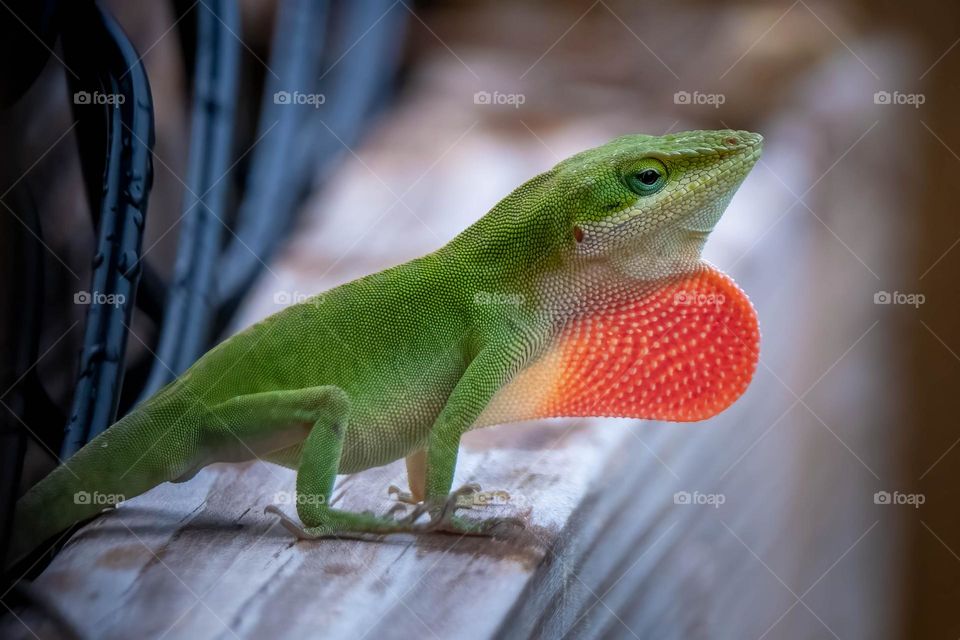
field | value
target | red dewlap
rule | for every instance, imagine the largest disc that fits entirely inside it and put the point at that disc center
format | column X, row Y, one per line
column 683, row 351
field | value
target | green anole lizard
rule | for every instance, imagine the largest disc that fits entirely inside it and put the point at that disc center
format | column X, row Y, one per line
column 582, row 293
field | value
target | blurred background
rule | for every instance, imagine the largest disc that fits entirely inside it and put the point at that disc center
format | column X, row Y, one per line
column 298, row 145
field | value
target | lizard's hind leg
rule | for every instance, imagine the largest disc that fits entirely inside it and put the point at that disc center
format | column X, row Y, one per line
column 317, row 417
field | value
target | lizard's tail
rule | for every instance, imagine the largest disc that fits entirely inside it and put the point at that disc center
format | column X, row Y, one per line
column 145, row 448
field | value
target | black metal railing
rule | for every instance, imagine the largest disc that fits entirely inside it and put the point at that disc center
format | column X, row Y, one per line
column 347, row 52
column 116, row 139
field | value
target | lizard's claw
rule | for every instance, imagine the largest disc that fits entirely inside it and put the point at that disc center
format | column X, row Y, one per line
column 444, row 518
column 454, row 501
column 444, row 510
column 414, row 515
column 290, row 524
column 401, row 496
column 399, row 507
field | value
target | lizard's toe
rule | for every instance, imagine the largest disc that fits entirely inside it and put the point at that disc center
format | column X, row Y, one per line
column 289, row 523
column 401, row 496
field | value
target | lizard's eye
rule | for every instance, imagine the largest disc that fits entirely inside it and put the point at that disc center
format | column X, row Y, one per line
column 648, row 178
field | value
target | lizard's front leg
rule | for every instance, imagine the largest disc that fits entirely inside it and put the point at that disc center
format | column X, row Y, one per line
column 483, row 377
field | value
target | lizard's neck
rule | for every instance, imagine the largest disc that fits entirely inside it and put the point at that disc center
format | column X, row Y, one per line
column 587, row 287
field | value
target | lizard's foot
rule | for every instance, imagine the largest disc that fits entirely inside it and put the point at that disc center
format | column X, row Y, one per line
column 338, row 524
column 402, row 496
column 444, row 519
column 444, row 509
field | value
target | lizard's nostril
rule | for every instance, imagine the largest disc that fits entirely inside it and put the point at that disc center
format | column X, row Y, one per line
column 731, row 141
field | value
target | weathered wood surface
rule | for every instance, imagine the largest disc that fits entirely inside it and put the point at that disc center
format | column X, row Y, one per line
column 202, row 560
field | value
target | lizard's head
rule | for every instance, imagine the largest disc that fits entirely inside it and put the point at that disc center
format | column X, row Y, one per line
column 646, row 204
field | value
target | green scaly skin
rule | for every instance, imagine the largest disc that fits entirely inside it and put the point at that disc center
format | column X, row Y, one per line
column 405, row 360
